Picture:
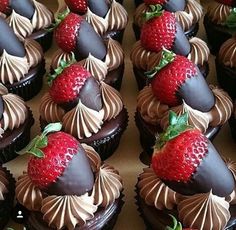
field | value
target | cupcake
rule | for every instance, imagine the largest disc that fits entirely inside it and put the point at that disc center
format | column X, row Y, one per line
column 187, row 12
column 166, row 32
column 7, row 192
column 103, row 58
column 16, row 120
column 225, row 66
column 91, row 111
column 180, row 86
column 108, row 17
column 21, row 63
column 29, row 19
column 182, row 181
column 219, row 22
column 67, row 186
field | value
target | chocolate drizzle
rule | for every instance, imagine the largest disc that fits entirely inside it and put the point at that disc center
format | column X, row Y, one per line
column 9, row 41
column 212, row 173
column 77, row 178
column 89, row 42
column 196, row 93
column 98, row 7
column 175, row 5
column 23, row 7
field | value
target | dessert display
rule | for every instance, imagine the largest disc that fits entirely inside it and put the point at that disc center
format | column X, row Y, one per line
column 29, row 19
column 219, row 22
column 91, row 111
column 103, row 58
column 166, row 33
column 225, row 66
column 22, row 65
column 108, row 17
column 178, row 85
column 67, row 186
column 187, row 13
column 16, row 120
column 182, row 181
column 7, row 192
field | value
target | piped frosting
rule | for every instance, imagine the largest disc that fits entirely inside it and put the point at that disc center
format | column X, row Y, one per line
column 3, row 184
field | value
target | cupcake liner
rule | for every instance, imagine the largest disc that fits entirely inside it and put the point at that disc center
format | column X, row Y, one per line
column 29, row 87
column 226, row 77
column 18, row 142
column 216, row 34
column 6, row 205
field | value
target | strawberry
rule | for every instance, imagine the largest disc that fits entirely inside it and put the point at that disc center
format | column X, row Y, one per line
column 159, row 29
column 67, row 82
column 154, row 2
column 66, row 30
column 4, row 6
column 77, row 6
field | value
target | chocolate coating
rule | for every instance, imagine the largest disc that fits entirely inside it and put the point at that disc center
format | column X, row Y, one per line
column 196, row 93
column 98, row 7
column 9, row 41
column 212, row 173
column 89, row 42
column 181, row 44
column 175, row 5
column 23, row 7
column 1, row 107
column 77, row 178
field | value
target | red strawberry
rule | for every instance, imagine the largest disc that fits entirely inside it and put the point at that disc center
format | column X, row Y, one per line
column 154, row 2
column 66, row 86
column 77, row 6
column 4, row 6
column 66, row 32
column 159, row 31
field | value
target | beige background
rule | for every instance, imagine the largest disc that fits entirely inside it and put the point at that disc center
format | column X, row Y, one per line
column 126, row 158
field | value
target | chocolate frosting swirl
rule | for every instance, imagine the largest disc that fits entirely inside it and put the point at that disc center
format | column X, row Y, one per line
column 139, row 11
column 49, row 110
column 112, row 102
column 21, row 25
column 232, row 167
column 42, row 17
column 155, row 192
column 59, row 56
column 3, row 184
column 107, row 186
column 28, row 194
column 34, row 52
column 204, row 211
column 218, row 13
column 195, row 9
column 61, row 211
column 185, row 20
column 82, row 121
column 227, row 53
column 199, row 51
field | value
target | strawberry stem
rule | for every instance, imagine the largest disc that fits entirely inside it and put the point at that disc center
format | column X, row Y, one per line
column 155, row 11
column 231, row 19
column 176, row 225
column 166, row 58
column 177, row 125
column 60, row 68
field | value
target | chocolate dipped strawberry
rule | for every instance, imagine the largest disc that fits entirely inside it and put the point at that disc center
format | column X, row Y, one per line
column 71, row 83
column 169, row 5
column 74, row 34
column 77, row 6
column 23, row 7
column 176, row 79
column 183, row 159
column 161, row 30
column 52, row 168
column 4, row 6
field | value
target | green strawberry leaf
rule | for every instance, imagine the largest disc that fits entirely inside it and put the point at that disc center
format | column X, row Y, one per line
column 173, row 118
column 42, row 142
column 28, row 147
column 231, row 19
column 36, row 152
column 52, row 127
column 176, row 225
column 155, row 11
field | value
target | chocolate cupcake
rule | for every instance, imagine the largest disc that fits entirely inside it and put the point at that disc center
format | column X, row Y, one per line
column 7, row 193
column 67, row 186
column 208, row 107
column 16, row 120
column 108, row 17
column 29, row 19
column 182, row 181
column 187, row 12
column 103, row 58
column 166, row 32
column 226, row 66
column 91, row 111
column 219, row 22
column 21, row 63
